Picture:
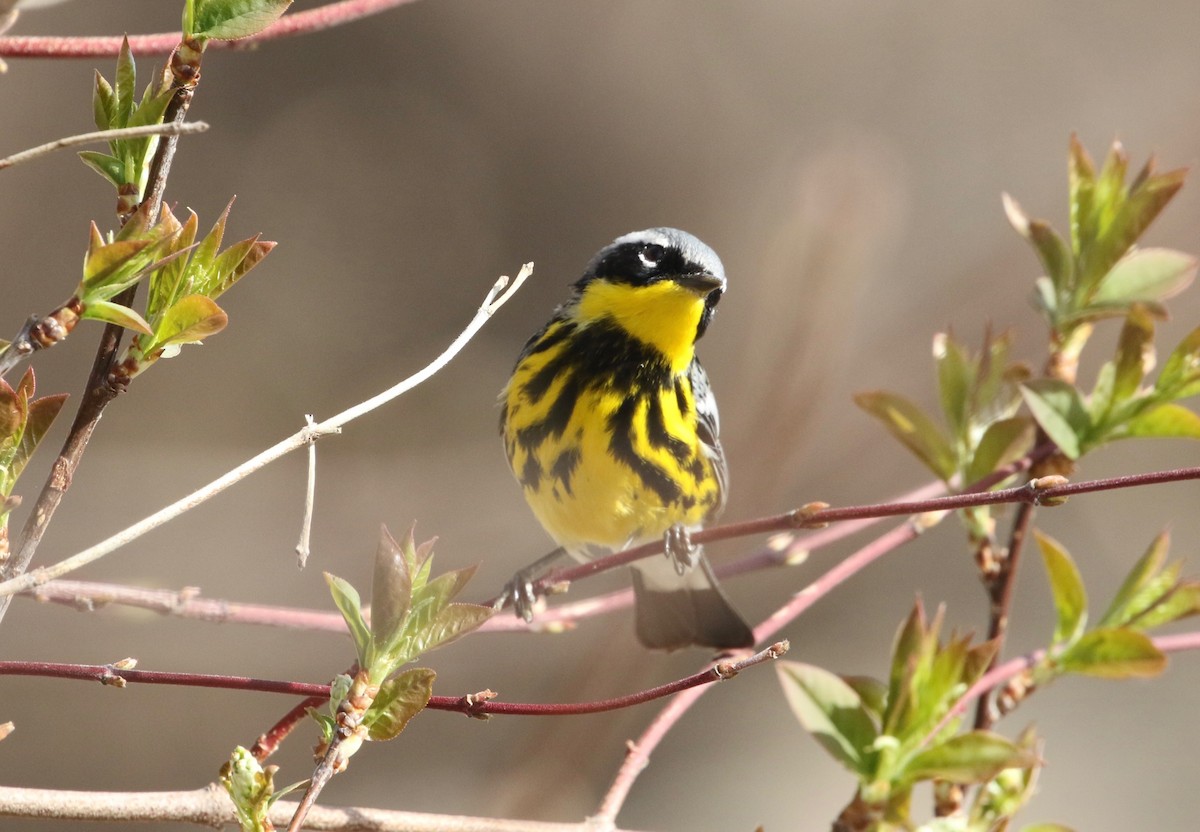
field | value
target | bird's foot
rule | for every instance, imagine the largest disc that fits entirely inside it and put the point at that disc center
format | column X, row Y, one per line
column 678, row 546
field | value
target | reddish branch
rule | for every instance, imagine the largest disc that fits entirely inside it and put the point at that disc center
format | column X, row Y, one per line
column 300, row 23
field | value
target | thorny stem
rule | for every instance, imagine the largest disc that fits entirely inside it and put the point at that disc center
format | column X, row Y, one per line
column 299, row 23
column 99, row 392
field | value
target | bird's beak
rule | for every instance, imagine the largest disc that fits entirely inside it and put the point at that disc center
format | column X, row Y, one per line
column 701, row 283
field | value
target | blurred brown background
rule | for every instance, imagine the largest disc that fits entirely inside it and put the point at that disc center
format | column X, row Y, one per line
column 846, row 159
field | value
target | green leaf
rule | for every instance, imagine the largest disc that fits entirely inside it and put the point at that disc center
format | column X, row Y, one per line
column 968, row 758
column 1147, row 566
column 1059, row 410
column 102, row 103
column 1147, row 275
column 905, row 653
column 1182, row 601
column 189, row 320
column 913, row 428
column 115, row 313
column 391, row 592
column 872, row 693
column 1070, row 598
column 1004, row 441
column 1045, row 299
column 1113, row 654
column 234, row 19
column 109, row 261
column 1081, row 178
column 167, row 284
column 126, row 84
column 397, row 702
column 832, row 712
column 1135, row 353
column 1047, row 827
column 347, row 600
column 1050, row 248
column 110, row 167
column 1181, row 373
column 1166, row 420
column 955, row 374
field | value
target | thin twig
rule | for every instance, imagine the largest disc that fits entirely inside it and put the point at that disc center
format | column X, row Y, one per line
column 496, row 297
column 310, row 497
column 1044, row 491
column 210, row 807
column 300, row 23
column 1000, row 595
column 472, row 705
column 185, row 128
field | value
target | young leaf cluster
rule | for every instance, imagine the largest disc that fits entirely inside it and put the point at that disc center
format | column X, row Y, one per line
column 887, row 734
column 181, row 307
column 1121, row 405
column 411, row 614
column 1152, row 595
column 24, row 420
column 115, row 106
column 1101, row 273
column 251, row 788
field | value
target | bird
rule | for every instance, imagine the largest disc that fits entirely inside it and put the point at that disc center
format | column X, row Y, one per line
column 610, row 426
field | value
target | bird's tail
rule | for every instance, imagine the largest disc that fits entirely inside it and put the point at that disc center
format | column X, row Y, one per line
column 676, row 610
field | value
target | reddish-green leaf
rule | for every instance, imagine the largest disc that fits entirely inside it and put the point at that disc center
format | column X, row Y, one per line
column 42, row 413
column 397, row 702
column 391, row 592
column 1113, row 654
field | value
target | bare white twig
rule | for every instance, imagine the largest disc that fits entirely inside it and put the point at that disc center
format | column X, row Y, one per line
column 496, row 297
column 310, row 495
column 104, row 136
column 211, row 807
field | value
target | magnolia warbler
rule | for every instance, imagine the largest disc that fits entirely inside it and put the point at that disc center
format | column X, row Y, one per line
column 610, row 426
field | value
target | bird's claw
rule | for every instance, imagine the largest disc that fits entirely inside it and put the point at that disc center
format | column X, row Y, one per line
column 520, row 594
column 678, row 546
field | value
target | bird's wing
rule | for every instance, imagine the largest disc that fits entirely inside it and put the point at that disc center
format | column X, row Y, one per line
column 708, row 427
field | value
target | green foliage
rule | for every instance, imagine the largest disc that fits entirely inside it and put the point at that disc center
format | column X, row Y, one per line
column 410, row 615
column 114, row 106
column 24, row 420
column 251, row 788
column 1100, row 274
column 230, row 19
column 1153, row 594
column 181, row 306
column 891, row 736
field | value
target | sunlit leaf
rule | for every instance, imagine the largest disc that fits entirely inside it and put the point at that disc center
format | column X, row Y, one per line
column 832, row 712
column 1004, row 441
column 1135, row 353
column 1070, row 598
column 42, row 413
column 967, row 758
column 115, row 313
column 1059, row 410
column 190, row 319
column 1165, row 420
column 1146, row 568
column 871, row 692
column 126, row 84
column 1148, row 274
column 391, row 591
column 1113, row 654
column 1181, row 372
column 913, row 428
column 234, row 19
column 102, row 103
column 346, row 599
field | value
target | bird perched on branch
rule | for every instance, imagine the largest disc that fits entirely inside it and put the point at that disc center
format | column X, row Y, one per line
column 610, row 426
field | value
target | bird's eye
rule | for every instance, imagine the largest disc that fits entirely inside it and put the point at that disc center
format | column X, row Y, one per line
column 651, row 255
